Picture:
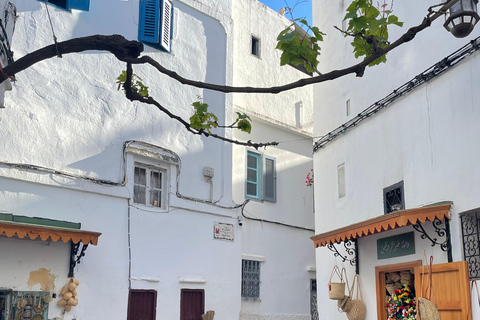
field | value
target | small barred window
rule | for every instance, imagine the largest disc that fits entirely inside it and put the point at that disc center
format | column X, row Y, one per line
column 471, row 241
column 394, row 198
column 250, row 279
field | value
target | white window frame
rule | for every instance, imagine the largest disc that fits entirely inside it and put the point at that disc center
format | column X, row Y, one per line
column 149, row 189
column 143, row 154
column 261, row 177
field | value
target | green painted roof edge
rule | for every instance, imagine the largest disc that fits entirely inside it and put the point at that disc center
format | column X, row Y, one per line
column 40, row 221
column 440, row 203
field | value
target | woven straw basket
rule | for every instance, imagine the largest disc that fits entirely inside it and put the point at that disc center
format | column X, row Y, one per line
column 356, row 310
column 343, row 305
column 356, row 307
column 336, row 290
column 427, row 310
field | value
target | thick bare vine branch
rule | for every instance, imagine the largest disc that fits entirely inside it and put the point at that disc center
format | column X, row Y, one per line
column 132, row 95
column 129, row 52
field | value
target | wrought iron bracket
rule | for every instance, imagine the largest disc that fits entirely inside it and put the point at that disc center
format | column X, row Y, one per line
column 351, row 249
column 74, row 259
column 441, row 231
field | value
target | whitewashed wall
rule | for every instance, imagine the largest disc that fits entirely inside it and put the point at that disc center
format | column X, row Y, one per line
column 427, row 139
column 104, row 267
column 265, row 71
column 67, row 114
column 287, row 252
column 96, row 110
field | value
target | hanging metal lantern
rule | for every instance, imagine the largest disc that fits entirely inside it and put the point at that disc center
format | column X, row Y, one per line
column 461, row 18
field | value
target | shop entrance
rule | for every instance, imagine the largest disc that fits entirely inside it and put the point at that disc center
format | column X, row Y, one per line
column 391, row 277
column 450, row 284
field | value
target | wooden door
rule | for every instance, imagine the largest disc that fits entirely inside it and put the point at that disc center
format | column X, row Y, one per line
column 142, row 305
column 380, row 272
column 451, row 291
column 192, row 304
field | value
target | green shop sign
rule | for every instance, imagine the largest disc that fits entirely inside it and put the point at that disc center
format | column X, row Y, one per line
column 396, row 246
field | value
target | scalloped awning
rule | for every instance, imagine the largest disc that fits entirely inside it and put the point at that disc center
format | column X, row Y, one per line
column 22, row 230
column 383, row 223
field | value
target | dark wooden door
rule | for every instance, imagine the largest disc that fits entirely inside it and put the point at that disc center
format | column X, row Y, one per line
column 192, row 304
column 142, row 305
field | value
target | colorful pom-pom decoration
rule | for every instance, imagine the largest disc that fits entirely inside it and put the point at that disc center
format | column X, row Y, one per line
column 402, row 305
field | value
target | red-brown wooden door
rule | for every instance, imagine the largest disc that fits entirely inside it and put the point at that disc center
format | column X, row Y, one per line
column 142, row 305
column 451, row 291
column 192, row 304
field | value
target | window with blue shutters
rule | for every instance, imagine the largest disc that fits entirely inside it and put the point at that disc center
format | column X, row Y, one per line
column 155, row 23
column 261, row 177
column 80, row 4
column 269, row 190
column 253, row 175
column 83, row 5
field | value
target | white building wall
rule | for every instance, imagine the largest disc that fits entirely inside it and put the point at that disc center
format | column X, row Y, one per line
column 286, row 252
column 265, row 71
column 426, row 139
column 104, row 267
column 66, row 114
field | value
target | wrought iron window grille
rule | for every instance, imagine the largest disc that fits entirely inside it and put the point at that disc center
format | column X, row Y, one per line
column 393, row 198
column 313, row 299
column 250, row 279
column 470, row 222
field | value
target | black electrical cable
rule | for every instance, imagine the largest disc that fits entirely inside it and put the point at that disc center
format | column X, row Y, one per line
column 268, row 221
column 123, row 180
column 430, row 73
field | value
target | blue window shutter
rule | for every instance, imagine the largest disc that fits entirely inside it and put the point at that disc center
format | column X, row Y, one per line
column 253, row 175
column 270, row 185
column 63, row 4
column 166, row 24
column 79, row 4
column 148, row 30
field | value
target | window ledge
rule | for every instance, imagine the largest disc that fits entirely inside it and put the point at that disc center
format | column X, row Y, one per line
column 251, row 299
column 151, row 151
column 187, row 280
column 253, row 257
column 143, row 207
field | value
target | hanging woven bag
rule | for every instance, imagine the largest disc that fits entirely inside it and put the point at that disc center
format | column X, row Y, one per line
column 426, row 309
column 336, row 290
column 356, row 307
column 342, row 304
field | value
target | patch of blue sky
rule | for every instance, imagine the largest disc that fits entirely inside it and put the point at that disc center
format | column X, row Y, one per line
column 302, row 9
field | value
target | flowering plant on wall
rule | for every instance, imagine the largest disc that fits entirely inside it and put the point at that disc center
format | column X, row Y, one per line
column 309, row 181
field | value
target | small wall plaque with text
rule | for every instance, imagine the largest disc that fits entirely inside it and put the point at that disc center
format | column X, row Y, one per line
column 396, row 246
column 223, row 231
